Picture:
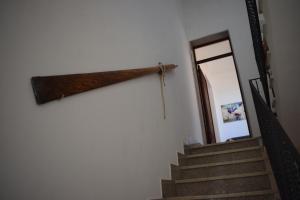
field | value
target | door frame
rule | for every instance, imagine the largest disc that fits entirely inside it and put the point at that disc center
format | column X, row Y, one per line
column 202, row 85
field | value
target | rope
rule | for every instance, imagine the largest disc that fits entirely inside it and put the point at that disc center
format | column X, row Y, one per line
column 162, row 85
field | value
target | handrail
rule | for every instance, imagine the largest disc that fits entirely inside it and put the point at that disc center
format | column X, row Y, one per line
column 49, row 88
column 258, row 46
column 284, row 157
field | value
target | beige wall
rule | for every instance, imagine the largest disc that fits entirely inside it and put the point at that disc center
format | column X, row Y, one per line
column 206, row 17
column 110, row 143
column 282, row 33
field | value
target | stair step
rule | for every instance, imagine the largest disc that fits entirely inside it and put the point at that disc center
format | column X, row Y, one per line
column 243, row 143
column 196, row 180
column 223, row 184
column 222, row 163
column 253, row 195
column 220, row 156
column 220, row 168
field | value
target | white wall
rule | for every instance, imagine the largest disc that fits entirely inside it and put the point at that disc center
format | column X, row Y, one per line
column 224, row 89
column 282, row 33
column 206, row 17
column 110, row 143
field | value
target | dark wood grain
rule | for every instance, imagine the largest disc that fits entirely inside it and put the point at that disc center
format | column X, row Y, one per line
column 49, row 88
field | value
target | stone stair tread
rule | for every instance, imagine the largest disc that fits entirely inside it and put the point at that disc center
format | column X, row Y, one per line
column 221, row 152
column 200, row 146
column 220, row 196
column 194, row 180
column 237, row 171
column 221, row 163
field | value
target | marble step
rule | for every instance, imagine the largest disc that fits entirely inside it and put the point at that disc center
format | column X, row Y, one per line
column 220, row 156
column 243, row 143
column 254, row 195
column 218, row 185
column 219, row 168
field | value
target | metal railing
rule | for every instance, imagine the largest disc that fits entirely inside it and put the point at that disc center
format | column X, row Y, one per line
column 284, row 158
column 258, row 45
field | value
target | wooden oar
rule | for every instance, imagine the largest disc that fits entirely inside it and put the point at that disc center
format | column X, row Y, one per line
column 49, row 88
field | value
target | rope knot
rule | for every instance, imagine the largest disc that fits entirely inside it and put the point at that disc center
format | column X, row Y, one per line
column 162, row 85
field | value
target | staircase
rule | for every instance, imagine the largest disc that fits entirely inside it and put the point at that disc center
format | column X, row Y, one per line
column 237, row 170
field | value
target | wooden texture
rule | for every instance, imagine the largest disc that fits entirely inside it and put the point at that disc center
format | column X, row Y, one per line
column 49, row 88
column 208, row 118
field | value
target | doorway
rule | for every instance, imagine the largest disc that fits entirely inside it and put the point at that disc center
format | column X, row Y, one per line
column 221, row 97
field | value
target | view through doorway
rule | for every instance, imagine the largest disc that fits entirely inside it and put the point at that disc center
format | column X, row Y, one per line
column 221, row 97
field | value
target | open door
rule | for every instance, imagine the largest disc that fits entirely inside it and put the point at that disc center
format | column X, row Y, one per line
column 221, row 97
column 208, row 120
